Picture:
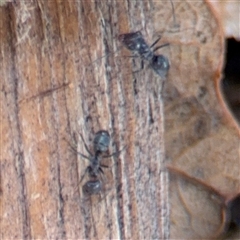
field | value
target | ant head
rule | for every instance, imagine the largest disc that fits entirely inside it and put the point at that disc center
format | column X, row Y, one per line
column 101, row 141
column 160, row 65
column 132, row 41
column 92, row 187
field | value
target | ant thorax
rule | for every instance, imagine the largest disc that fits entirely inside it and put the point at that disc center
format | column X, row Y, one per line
column 94, row 168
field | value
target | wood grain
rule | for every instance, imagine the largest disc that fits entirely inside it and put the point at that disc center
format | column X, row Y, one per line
column 51, row 89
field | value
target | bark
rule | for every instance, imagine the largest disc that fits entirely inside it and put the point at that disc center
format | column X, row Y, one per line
column 52, row 89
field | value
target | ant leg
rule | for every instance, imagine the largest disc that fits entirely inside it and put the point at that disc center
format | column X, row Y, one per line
column 104, row 56
column 72, row 147
column 164, row 45
column 101, row 174
column 104, row 195
column 133, row 56
column 155, row 42
column 105, row 192
column 105, row 166
column 141, row 68
column 115, row 153
column 86, row 170
column 162, row 87
column 85, row 145
column 101, row 171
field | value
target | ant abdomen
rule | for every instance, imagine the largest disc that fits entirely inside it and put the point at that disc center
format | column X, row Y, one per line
column 160, row 65
column 92, row 187
column 101, row 141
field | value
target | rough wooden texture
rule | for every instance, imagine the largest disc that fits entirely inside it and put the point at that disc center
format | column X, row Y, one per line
column 52, row 89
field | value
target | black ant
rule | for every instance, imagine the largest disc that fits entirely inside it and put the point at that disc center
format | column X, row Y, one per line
column 135, row 42
column 100, row 143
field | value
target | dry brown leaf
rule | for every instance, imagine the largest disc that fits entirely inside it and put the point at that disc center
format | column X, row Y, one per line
column 228, row 14
column 213, row 212
column 201, row 136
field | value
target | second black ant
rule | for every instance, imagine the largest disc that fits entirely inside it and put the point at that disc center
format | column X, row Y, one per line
column 135, row 42
column 94, row 170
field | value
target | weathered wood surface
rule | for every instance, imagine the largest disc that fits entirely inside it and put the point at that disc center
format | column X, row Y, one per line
column 52, row 89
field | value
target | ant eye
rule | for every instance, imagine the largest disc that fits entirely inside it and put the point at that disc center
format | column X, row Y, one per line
column 161, row 65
